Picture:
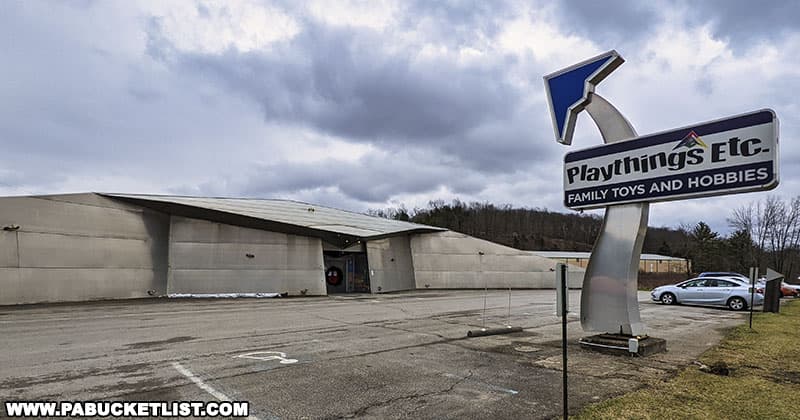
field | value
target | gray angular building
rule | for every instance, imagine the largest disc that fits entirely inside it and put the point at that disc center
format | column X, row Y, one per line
column 75, row 247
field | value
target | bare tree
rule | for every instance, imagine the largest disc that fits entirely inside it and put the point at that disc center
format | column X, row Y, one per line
column 784, row 236
column 774, row 227
column 752, row 219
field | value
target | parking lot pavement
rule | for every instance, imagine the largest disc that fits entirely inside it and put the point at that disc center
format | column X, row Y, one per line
column 372, row 356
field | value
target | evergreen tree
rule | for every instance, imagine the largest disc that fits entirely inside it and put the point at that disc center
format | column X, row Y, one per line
column 704, row 248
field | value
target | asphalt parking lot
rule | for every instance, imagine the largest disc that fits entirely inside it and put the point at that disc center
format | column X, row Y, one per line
column 400, row 355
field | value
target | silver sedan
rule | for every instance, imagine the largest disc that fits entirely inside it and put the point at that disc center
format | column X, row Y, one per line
column 715, row 291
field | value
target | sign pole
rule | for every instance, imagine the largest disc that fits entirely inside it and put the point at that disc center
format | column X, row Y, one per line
column 561, row 272
column 752, row 292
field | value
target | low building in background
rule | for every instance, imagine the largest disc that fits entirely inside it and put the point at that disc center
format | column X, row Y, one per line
column 75, row 247
column 648, row 263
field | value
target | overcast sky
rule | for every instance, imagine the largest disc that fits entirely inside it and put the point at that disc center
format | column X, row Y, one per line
column 370, row 104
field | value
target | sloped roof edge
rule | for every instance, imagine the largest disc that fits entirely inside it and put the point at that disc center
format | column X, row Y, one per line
column 304, row 216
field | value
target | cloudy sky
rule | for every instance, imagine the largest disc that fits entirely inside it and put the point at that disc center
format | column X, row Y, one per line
column 369, row 104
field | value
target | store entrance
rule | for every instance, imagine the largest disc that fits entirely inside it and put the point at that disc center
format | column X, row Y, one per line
column 346, row 272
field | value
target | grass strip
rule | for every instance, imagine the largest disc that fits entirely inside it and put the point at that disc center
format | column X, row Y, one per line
column 763, row 380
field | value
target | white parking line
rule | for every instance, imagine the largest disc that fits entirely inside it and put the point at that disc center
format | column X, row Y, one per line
column 204, row 386
column 267, row 356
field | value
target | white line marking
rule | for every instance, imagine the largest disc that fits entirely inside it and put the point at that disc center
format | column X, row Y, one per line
column 204, row 386
column 267, row 356
column 501, row 389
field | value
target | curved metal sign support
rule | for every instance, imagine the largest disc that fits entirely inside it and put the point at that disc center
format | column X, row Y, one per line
column 609, row 299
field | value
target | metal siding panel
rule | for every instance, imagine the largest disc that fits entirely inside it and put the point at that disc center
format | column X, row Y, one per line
column 218, row 263
column 304, row 252
column 452, row 260
column 11, row 286
column 446, row 279
column 8, row 249
column 472, row 280
column 83, row 246
column 194, row 230
column 446, row 262
column 42, row 250
column 223, row 256
column 248, row 281
column 457, row 243
column 33, row 285
column 390, row 263
column 49, row 216
column 523, row 262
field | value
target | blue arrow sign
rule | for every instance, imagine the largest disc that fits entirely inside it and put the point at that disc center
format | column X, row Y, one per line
column 568, row 90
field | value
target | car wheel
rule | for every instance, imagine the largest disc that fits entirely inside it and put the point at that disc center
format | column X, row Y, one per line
column 668, row 299
column 737, row 304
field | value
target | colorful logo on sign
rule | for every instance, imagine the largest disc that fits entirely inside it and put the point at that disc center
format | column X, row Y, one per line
column 691, row 140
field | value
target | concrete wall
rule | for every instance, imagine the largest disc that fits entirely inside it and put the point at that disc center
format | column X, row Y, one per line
column 645, row 266
column 80, row 247
column 452, row 260
column 390, row 264
column 207, row 257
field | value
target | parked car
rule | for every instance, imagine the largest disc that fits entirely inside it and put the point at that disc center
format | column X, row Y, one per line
column 787, row 290
column 717, row 291
column 740, row 278
column 724, row 274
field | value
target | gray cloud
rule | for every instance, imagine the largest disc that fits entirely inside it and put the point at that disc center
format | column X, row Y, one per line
column 343, row 82
column 374, row 178
column 745, row 22
column 461, row 22
column 623, row 23
column 609, row 23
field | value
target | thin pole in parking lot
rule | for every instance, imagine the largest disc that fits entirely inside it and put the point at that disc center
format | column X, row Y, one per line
column 753, row 271
column 485, row 286
column 561, row 272
column 508, row 318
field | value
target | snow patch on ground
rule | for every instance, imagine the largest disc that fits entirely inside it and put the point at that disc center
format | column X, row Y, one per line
column 224, row 295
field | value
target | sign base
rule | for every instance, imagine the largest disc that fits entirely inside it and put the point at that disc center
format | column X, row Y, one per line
column 621, row 344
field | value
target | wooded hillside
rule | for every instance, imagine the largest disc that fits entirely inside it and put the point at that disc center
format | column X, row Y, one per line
column 528, row 229
column 766, row 233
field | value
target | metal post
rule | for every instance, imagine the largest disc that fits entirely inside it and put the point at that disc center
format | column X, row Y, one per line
column 485, row 285
column 508, row 317
column 563, row 279
column 753, row 271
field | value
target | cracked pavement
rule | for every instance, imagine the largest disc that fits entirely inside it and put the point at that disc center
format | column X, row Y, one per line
column 403, row 355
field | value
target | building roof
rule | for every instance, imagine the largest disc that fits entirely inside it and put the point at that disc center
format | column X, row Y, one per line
column 571, row 254
column 336, row 226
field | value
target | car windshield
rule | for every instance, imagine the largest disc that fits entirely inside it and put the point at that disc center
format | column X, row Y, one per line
column 738, row 279
column 694, row 283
